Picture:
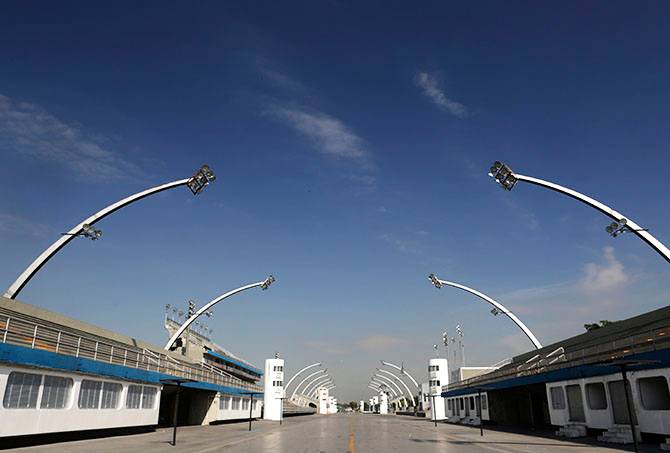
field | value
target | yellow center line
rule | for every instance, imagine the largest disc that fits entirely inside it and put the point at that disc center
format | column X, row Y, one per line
column 352, row 439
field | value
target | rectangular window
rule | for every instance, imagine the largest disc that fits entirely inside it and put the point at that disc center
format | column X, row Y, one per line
column 89, row 394
column 472, row 403
column 245, row 404
column 557, row 397
column 224, row 403
column 255, row 404
column 654, row 393
column 110, row 395
column 236, row 404
column 484, row 403
column 449, row 404
column 149, row 397
column 55, row 392
column 21, row 391
column 595, row 396
column 462, row 404
column 134, row 397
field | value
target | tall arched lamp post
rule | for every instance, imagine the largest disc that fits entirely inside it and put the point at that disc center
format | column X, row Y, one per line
column 497, row 307
column 403, row 371
column 409, row 392
column 295, row 390
column 507, row 179
column 300, row 372
column 265, row 284
column 196, row 183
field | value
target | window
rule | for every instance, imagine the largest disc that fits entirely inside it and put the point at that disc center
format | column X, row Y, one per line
column 279, row 368
column 110, row 395
column 255, row 404
column 89, row 394
column 236, row 404
column 134, row 396
column 21, row 391
column 557, row 398
column 277, row 383
column 449, row 404
column 245, row 404
column 595, row 396
column 484, row 403
column 462, row 405
column 434, row 383
column 472, row 403
column 654, row 393
column 224, row 403
column 433, row 367
column 149, row 397
column 55, row 392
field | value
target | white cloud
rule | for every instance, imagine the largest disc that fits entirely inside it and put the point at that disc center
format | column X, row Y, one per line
column 32, row 131
column 431, row 88
column 379, row 343
column 604, row 277
column 330, row 135
column 11, row 223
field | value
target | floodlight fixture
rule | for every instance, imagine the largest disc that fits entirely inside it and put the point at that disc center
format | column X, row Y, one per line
column 495, row 311
column 86, row 231
column 435, row 281
column 503, row 175
column 268, row 281
column 201, row 179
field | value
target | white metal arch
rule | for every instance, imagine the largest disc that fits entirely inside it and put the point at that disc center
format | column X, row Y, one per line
column 300, row 372
column 497, row 305
column 295, row 390
column 376, row 380
column 316, row 383
column 401, row 381
column 264, row 284
column 384, row 378
column 632, row 226
column 315, row 392
column 41, row 260
column 403, row 371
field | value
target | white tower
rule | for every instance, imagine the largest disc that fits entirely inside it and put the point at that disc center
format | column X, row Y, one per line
column 273, row 391
column 438, row 375
column 361, row 406
column 323, row 400
column 383, row 403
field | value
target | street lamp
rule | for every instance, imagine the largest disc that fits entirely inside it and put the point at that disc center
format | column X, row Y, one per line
column 299, row 372
column 85, row 228
column 314, row 392
column 409, row 392
column 504, row 175
column 390, row 381
column 316, row 382
column 193, row 315
column 295, row 390
column 440, row 283
column 402, row 370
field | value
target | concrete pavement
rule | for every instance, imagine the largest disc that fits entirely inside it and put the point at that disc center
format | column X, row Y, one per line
column 323, row 434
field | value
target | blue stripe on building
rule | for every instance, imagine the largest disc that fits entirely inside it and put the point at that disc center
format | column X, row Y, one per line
column 235, row 362
column 23, row 356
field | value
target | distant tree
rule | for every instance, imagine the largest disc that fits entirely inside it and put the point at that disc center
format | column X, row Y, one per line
column 594, row 326
column 353, row 405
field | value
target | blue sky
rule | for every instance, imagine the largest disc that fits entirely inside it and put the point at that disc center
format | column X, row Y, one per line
column 351, row 144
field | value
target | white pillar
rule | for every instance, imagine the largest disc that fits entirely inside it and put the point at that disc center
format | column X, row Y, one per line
column 383, row 403
column 361, row 406
column 438, row 375
column 273, row 390
column 323, row 400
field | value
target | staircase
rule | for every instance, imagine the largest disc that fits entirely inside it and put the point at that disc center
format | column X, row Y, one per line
column 572, row 430
column 619, row 434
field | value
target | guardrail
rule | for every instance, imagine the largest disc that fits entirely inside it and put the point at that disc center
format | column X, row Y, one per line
column 27, row 333
column 646, row 341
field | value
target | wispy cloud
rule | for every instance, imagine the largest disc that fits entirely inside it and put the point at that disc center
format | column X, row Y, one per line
column 379, row 343
column 11, row 223
column 400, row 244
column 330, row 135
column 430, row 86
column 604, row 277
column 30, row 130
column 327, row 347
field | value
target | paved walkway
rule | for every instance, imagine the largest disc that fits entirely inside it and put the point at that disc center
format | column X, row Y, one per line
column 324, row 434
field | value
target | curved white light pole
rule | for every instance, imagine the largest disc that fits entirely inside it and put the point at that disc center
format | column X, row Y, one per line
column 409, row 392
column 299, row 372
column 263, row 284
column 200, row 179
column 380, row 376
column 377, row 389
column 402, row 371
column 507, row 178
column 439, row 283
column 316, row 382
column 295, row 390
column 315, row 392
column 376, row 380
